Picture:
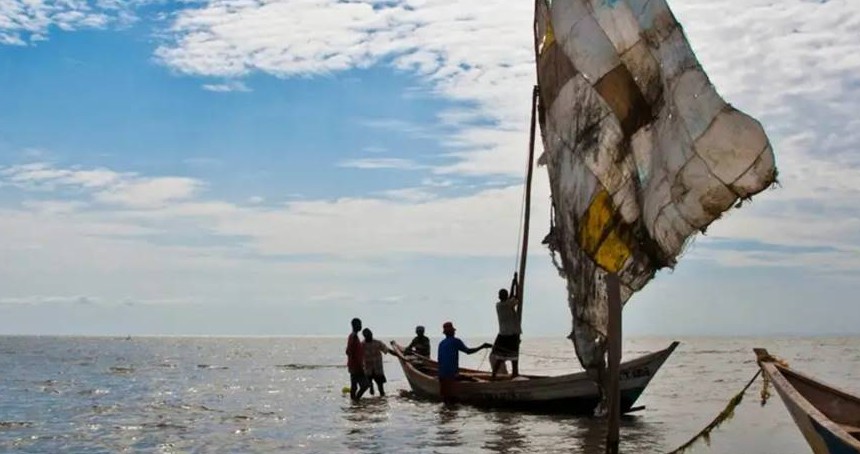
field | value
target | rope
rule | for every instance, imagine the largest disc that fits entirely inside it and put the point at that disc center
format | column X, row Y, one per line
column 520, row 230
column 486, row 351
column 724, row 416
column 546, row 356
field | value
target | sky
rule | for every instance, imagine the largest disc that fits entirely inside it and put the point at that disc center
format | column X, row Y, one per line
column 277, row 167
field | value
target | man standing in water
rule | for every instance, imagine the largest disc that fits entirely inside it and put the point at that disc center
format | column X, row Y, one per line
column 449, row 361
column 355, row 362
column 373, row 350
column 507, row 344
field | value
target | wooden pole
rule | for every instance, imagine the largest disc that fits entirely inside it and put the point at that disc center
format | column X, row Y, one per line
column 613, row 290
column 527, row 208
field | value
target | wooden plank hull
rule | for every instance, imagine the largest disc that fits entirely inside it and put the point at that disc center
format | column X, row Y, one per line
column 828, row 418
column 572, row 393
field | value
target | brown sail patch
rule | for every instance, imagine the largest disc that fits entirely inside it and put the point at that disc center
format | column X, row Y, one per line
column 555, row 71
column 620, row 91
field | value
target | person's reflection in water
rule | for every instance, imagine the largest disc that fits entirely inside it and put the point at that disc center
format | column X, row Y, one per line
column 636, row 436
column 448, row 426
column 591, row 436
column 505, row 433
column 361, row 425
column 640, row 435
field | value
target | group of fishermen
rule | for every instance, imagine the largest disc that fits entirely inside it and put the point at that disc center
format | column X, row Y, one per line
column 364, row 358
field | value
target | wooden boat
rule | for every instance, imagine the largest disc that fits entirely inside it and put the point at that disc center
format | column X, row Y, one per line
column 573, row 393
column 827, row 417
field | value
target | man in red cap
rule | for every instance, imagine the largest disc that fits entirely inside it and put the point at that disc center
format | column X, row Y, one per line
column 449, row 360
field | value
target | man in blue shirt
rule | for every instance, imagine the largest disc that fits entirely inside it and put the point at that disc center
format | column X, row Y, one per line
column 449, row 360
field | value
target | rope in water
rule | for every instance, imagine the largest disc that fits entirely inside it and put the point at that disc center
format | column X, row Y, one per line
column 486, row 352
column 725, row 415
column 548, row 357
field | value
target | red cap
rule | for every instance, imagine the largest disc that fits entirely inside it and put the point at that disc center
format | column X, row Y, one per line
column 448, row 327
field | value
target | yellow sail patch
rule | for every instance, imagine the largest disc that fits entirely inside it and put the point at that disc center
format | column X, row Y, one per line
column 600, row 237
column 548, row 38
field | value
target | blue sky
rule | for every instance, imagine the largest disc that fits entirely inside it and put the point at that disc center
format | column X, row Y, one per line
column 277, row 167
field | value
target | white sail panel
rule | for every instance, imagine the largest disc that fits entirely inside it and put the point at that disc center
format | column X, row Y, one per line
column 641, row 150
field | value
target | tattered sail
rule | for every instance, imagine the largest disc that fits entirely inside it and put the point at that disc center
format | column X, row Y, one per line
column 641, row 150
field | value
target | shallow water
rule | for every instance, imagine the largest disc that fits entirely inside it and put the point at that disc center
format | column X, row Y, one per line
column 66, row 394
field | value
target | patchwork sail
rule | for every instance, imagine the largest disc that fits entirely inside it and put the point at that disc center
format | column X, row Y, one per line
column 641, row 150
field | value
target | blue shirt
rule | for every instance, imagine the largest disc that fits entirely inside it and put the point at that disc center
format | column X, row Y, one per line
column 449, row 356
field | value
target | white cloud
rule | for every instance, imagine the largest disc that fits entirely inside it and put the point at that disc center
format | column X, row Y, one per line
column 380, row 163
column 107, row 186
column 149, row 192
column 230, row 86
column 412, row 220
column 52, row 207
column 410, row 194
column 24, row 22
column 230, row 38
column 43, row 176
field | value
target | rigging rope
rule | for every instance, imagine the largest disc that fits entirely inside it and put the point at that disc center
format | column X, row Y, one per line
column 546, row 356
column 725, row 415
column 482, row 359
column 521, row 221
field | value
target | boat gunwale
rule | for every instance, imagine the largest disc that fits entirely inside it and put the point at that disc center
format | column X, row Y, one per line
column 774, row 372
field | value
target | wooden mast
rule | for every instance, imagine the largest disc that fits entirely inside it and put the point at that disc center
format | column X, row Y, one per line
column 613, row 388
column 527, row 208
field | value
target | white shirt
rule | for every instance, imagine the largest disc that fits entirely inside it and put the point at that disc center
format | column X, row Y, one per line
column 508, row 319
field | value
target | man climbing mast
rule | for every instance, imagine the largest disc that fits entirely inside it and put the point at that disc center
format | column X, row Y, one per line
column 507, row 344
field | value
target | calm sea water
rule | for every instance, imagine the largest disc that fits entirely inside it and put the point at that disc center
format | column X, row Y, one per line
column 66, row 394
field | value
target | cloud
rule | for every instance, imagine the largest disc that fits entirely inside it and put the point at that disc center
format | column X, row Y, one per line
column 24, row 22
column 106, row 186
column 230, row 86
column 42, row 176
column 149, row 192
column 380, row 163
column 412, row 220
column 410, row 194
column 54, row 207
column 230, row 39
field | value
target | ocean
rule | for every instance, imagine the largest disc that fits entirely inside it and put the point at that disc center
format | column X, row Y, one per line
column 243, row 395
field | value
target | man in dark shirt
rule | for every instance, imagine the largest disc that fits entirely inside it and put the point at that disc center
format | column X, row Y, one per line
column 448, row 357
column 420, row 345
column 355, row 363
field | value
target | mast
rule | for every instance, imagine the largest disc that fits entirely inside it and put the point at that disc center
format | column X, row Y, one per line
column 527, row 208
column 613, row 388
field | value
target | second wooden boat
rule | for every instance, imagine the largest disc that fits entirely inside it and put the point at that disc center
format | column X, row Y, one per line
column 828, row 418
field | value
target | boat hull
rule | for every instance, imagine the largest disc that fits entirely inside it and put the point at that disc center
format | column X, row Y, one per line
column 828, row 418
column 572, row 394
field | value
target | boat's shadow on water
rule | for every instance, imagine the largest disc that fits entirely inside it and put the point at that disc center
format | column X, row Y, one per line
column 437, row 427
